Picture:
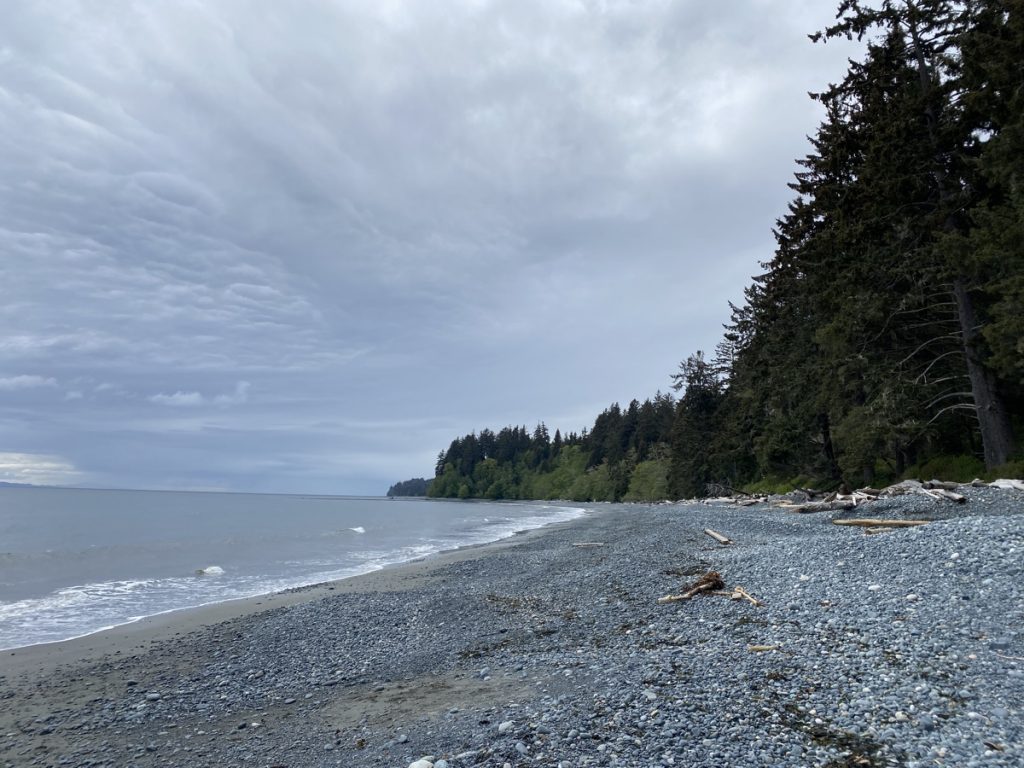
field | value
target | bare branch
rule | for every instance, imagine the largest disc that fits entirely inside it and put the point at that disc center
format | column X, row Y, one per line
column 957, row 407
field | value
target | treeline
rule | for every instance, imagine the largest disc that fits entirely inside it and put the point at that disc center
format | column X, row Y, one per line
column 623, row 456
column 417, row 486
column 885, row 336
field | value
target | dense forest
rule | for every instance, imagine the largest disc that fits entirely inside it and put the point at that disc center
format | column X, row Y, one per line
column 885, row 335
column 417, row 486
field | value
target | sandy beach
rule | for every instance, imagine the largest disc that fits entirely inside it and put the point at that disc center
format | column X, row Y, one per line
column 551, row 648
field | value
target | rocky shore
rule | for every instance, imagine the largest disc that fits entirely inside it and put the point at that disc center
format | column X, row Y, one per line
column 904, row 648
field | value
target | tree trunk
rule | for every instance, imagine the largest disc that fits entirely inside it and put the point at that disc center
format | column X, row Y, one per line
column 993, row 418
column 828, row 447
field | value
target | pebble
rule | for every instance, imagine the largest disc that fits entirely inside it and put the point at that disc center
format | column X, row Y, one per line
column 574, row 642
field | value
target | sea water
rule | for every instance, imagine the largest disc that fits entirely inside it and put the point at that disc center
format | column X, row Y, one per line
column 73, row 561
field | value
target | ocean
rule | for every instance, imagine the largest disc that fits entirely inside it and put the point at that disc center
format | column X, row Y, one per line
column 73, row 561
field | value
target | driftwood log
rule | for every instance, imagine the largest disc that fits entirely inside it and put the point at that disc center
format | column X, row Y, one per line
column 870, row 522
column 819, row 506
column 717, row 536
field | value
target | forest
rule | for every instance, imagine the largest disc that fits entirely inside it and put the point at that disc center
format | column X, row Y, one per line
column 883, row 338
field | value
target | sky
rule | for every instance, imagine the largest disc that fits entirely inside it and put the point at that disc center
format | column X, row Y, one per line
column 298, row 247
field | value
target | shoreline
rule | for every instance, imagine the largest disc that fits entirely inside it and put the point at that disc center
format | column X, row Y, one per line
column 136, row 636
column 533, row 650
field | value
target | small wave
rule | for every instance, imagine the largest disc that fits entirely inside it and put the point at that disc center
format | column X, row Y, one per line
column 210, row 570
column 358, row 529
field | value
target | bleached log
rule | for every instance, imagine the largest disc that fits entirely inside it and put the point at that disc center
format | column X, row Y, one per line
column 818, row 506
column 870, row 522
column 869, row 491
column 717, row 536
column 940, row 485
column 904, row 486
column 958, row 498
column 1014, row 485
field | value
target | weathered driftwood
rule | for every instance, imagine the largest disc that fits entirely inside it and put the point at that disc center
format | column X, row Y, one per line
column 717, row 536
column 1015, row 485
column 709, row 582
column 739, row 593
column 870, row 522
column 736, row 593
column 585, row 544
column 819, row 506
column 940, row 490
column 944, row 485
column 762, row 648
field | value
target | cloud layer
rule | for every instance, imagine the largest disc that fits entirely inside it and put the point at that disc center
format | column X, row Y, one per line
column 300, row 246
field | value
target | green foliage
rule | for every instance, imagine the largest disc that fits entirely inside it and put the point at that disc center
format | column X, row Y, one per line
column 417, row 486
column 961, row 469
column 1011, row 470
column 770, row 485
column 649, row 481
column 593, row 466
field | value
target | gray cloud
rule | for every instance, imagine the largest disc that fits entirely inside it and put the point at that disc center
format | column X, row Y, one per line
column 12, row 383
column 335, row 235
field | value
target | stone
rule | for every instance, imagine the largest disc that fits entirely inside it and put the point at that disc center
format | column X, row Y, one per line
column 505, row 727
column 421, row 764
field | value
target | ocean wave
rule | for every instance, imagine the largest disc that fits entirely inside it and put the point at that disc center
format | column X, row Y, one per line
column 82, row 609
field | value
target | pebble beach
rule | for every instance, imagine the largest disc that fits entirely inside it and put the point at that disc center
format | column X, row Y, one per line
column 904, row 648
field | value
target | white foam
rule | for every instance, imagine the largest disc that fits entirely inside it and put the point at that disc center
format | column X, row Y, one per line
column 82, row 609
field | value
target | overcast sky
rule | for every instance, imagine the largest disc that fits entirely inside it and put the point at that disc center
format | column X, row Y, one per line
column 300, row 246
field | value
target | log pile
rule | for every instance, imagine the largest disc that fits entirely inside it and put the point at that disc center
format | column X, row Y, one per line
column 810, row 500
column 939, row 490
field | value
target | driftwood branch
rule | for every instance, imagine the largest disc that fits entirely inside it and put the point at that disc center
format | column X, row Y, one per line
column 709, row 582
column 739, row 593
